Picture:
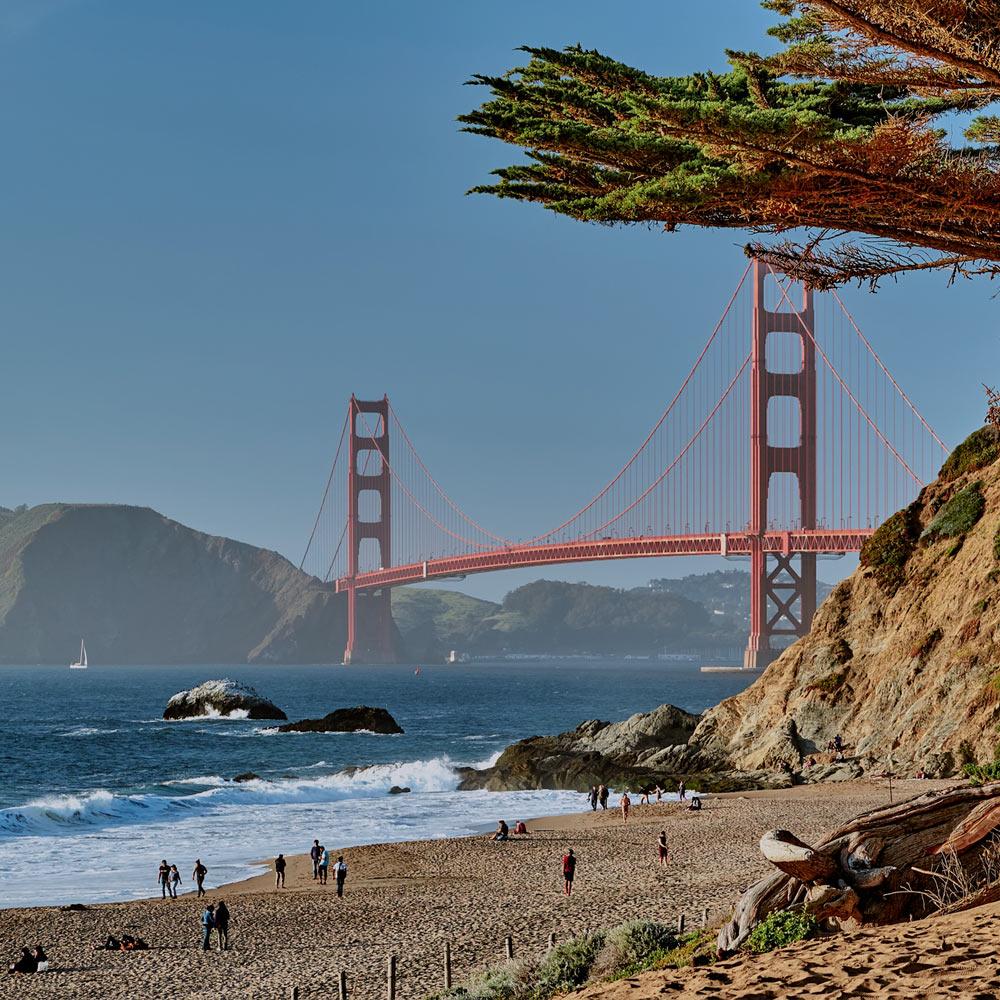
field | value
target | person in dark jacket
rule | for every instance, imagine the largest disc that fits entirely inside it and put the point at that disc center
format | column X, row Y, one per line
column 207, row 926
column 222, row 924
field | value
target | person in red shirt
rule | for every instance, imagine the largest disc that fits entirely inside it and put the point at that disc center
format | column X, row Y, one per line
column 569, row 870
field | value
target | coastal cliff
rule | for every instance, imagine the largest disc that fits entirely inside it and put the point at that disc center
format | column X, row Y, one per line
column 903, row 659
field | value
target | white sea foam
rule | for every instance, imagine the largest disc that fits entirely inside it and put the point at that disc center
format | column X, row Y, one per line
column 214, row 714
column 89, row 731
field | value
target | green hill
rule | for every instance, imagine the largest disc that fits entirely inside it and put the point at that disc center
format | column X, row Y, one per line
column 144, row 589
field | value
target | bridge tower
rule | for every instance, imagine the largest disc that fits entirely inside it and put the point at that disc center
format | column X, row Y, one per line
column 369, row 614
column 782, row 585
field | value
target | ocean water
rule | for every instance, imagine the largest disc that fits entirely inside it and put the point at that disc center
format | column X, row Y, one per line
column 95, row 788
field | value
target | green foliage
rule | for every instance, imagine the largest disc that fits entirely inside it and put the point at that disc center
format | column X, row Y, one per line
column 888, row 549
column 634, row 946
column 958, row 515
column 978, row 450
column 568, row 964
column 780, row 928
column 981, row 774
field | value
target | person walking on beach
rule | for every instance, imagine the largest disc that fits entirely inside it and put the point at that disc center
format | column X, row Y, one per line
column 644, row 797
column 662, row 849
column 279, row 872
column 340, row 874
column 163, row 878
column 222, row 924
column 625, row 803
column 207, row 925
column 315, row 852
column 593, row 797
column 569, row 871
column 324, row 865
column 175, row 880
column 199, row 873
column 680, row 791
column 602, row 795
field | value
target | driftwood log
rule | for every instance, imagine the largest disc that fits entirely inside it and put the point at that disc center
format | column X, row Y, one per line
column 880, row 867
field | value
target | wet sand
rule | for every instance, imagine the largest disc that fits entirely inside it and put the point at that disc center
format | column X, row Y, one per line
column 407, row 899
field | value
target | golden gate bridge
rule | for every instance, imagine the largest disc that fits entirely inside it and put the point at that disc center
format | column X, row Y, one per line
column 788, row 439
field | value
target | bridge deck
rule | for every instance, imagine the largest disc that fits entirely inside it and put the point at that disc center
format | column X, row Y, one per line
column 519, row 557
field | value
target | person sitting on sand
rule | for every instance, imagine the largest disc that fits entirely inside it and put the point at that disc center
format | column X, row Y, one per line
column 503, row 831
column 625, row 804
column 111, row 944
column 222, row 924
column 41, row 958
column 324, row 865
column 279, row 871
column 25, row 965
column 602, row 795
column 569, row 871
column 199, row 873
column 207, row 926
column 129, row 943
column 163, row 878
column 695, row 804
column 175, row 880
column 520, row 829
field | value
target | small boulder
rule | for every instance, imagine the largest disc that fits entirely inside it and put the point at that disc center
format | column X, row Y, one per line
column 397, row 790
column 363, row 718
column 247, row 776
column 223, row 698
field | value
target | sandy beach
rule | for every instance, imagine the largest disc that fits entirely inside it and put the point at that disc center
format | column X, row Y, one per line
column 408, row 898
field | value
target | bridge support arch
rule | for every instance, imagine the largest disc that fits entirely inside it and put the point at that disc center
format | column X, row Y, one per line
column 782, row 586
column 370, row 630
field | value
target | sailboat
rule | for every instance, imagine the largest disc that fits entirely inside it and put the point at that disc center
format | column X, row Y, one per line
column 80, row 664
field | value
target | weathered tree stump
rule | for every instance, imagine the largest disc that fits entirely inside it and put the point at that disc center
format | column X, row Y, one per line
column 872, row 869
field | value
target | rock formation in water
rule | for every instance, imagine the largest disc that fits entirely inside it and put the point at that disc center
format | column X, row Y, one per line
column 363, row 718
column 645, row 750
column 903, row 660
column 223, row 697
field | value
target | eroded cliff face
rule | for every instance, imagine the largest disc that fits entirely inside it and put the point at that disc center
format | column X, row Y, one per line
column 904, row 656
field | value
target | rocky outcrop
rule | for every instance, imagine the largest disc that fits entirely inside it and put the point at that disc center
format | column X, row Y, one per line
column 647, row 749
column 363, row 718
column 222, row 698
column 903, row 660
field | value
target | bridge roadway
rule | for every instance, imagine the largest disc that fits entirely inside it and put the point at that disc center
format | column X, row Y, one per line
column 818, row 540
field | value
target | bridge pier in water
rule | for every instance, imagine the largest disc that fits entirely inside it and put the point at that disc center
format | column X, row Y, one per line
column 782, row 593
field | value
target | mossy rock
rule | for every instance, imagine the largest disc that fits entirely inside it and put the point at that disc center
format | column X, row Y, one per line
column 887, row 551
column 979, row 449
column 958, row 515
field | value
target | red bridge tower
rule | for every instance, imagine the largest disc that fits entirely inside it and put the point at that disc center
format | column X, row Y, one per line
column 782, row 596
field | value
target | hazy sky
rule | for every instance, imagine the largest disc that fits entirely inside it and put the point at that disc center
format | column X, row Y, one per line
column 221, row 217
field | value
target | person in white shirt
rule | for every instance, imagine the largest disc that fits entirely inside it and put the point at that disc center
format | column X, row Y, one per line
column 340, row 872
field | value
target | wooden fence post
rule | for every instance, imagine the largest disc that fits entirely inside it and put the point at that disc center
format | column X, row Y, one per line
column 342, row 985
column 293, row 993
column 552, row 940
column 681, row 920
column 447, row 965
column 391, row 978
column 508, row 947
column 704, row 917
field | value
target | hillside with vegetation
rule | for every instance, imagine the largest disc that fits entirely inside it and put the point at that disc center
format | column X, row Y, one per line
column 903, row 659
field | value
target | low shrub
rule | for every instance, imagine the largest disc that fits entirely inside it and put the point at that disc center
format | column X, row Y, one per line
column 632, row 947
column 922, row 647
column 979, row 449
column 996, row 544
column 958, row 515
column 568, row 964
column 783, row 927
column 980, row 774
column 887, row 550
column 842, row 651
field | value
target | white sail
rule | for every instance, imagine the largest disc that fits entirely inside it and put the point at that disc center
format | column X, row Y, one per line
column 81, row 664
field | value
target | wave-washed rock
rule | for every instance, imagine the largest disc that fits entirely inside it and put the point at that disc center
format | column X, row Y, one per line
column 225, row 698
column 648, row 749
column 362, row 718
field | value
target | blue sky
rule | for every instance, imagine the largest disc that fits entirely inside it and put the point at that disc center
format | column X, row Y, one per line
column 221, row 218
